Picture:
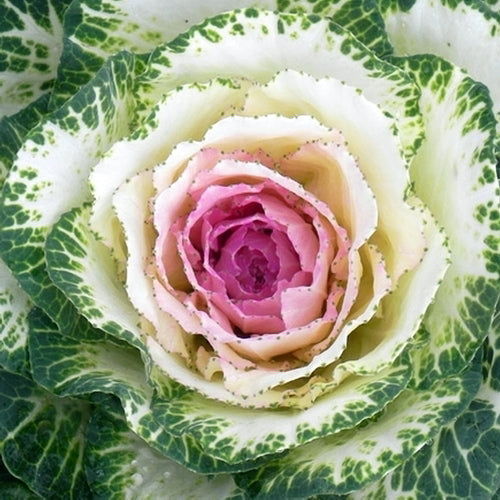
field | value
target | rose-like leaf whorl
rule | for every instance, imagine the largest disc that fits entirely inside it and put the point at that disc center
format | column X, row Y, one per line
column 288, row 183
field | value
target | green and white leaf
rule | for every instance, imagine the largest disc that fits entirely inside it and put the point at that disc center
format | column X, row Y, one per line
column 222, row 431
column 456, row 31
column 273, row 42
column 458, row 153
column 121, row 465
column 358, row 16
column 13, row 130
column 38, row 189
column 85, row 271
column 31, row 36
column 462, row 461
column 69, row 367
column 14, row 308
column 42, row 438
column 350, row 460
column 96, row 30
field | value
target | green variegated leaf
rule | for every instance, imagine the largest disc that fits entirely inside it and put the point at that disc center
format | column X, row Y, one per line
column 462, row 461
column 352, row 459
column 97, row 30
column 13, row 130
column 444, row 28
column 30, row 45
column 358, row 16
column 277, row 41
column 85, row 271
column 14, row 308
column 42, row 438
column 68, row 367
column 223, row 431
column 85, row 410
column 458, row 153
column 38, row 189
column 121, row 465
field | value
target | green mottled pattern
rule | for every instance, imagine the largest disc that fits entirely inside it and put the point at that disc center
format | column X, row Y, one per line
column 66, row 366
column 13, row 130
column 120, row 464
column 458, row 152
column 436, row 27
column 223, row 431
column 358, row 16
column 447, row 410
column 467, row 448
column 37, row 192
column 70, row 367
column 292, row 41
column 14, row 308
column 352, row 459
column 96, row 30
column 43, row 437
column 85, row 271
column 30, row 46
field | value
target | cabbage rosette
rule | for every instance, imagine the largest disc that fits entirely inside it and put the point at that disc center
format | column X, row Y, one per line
column 252, row 255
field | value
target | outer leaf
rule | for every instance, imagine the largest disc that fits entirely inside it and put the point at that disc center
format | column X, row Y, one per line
column 351, row 459
column 66, row 367
column 30, row 46
column 360, row 17
column 12, row 488
column 455, row 30
column 38, row 190
column 42, row 438
column 458, row 153
column 84, row 269
column 14, row 309
column 273, row 42
column 96, row 30
column 223, row 431
column 463, row 461
column 13, row 130
column 121, row 465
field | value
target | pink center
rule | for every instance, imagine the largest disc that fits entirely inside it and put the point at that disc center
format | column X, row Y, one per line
column 244, row 251
column 248, row 259
column 258, row 256
column 254, row 274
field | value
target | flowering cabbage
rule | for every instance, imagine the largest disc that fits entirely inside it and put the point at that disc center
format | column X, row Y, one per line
column 249, row 249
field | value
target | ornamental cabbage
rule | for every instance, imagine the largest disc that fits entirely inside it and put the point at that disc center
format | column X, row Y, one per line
column 249, row 249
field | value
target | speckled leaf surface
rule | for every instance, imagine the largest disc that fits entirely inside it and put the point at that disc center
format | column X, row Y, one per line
column 466, row 449
column 35, row 194
column 444, row 28
column 14, row 308
column 120, row 464
column 31, row 36
column 461, row 141
column 42, row 437
column 96, row 30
